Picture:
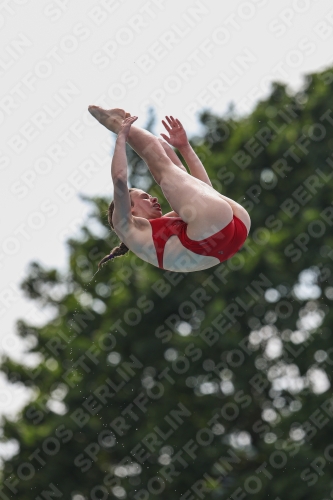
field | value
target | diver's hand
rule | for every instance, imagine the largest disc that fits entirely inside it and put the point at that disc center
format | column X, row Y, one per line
column 178, row 137
column 126, row 127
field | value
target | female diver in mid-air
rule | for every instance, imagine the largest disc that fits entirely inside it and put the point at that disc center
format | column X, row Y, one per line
column 204, row 228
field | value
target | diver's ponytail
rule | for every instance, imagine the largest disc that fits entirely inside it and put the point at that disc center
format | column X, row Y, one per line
column 115, row 252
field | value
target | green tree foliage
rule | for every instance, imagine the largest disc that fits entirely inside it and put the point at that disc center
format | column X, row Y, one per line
column 214, row 384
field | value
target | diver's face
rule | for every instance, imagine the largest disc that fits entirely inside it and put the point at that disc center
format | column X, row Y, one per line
column 144, row 205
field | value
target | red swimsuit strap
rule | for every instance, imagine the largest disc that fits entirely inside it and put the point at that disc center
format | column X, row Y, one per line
column 162, row 228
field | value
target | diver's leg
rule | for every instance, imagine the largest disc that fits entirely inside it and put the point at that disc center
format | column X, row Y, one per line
column 147, row 146
column 172, row 155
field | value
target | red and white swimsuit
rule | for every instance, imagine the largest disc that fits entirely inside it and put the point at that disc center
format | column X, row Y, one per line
column 222, row 245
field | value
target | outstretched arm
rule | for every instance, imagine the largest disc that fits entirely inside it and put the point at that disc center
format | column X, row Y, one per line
column 178, row 139
column 122, row 216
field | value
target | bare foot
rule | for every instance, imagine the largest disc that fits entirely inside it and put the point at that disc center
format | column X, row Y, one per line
column 110, row 118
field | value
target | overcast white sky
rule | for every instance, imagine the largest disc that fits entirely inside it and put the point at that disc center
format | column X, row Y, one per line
column 58, row 57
